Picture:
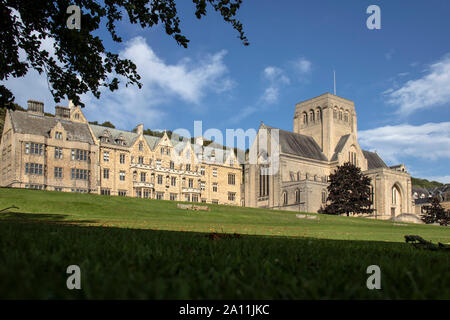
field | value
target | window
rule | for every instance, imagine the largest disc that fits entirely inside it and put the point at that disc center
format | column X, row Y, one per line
column 194, row 198
column 122, row 193
column 33, row 169
column 191, row 183
column 173, row 181
column 214, row 187
column 285, row 198
column 143, row 176
column 105, row 192
column 158, row 163
column 231, row 178
column 80, row 174
column 311, row 116
column 187, row 197
column 106, row 156
column 318, row 115
column 335, row 114
column 122, row 158
column 141, row 146
column 214, row 172
column 173, row 196
column 172, row 165
column 263, row 182
column 160, row 179
column 34, row 148
column 202, row 186
column 215, row 201
column 58, row 135
column 305, row 118
column 297, row 196
column 80, row 155
column 324, row 196
column 231, row 196
column 202, row 171
column 188, row 167
column 141, row 160
column 58, row 172
column 340, row 115
column 160, row 195
column 58, row 189
column 346, row 117
column 58, row 153
column 162, row 151
column 77, row 116
column 105, row 173
column 122, row 175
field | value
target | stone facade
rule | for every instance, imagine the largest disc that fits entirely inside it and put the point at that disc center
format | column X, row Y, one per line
column 66, row 153
column 324, row 136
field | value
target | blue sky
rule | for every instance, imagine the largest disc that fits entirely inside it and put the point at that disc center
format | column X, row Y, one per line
column 398, row 77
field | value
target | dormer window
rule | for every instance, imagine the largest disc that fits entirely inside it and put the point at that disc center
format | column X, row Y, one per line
column 141, row 146
column 58, row 135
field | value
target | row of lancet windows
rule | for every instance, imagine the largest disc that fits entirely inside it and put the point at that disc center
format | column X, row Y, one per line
column 298, row 197
column 313, row 116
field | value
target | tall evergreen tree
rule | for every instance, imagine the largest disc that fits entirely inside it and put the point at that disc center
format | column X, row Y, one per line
column 348, row 192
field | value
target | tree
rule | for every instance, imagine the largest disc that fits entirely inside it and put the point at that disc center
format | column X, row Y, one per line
column 108, row 124
column 435, row 213
column 348, row 191
column 81, row 63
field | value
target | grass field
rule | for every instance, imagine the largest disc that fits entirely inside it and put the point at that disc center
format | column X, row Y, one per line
column 149, row 249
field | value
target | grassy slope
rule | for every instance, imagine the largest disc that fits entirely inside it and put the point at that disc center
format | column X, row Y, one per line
column 37, row 245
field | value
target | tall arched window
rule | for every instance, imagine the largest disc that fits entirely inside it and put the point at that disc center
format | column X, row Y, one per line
column 324, row 196
column 346, row 117
column 297, row 196
column 305, row 118
column 285, row 198
column 311, row 116
column 335, row 113
column 318, row 115
column 340, row 114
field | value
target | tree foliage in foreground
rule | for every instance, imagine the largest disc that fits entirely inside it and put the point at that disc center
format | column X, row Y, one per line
column 348, row 191
column 435, row 213
column 81, row 63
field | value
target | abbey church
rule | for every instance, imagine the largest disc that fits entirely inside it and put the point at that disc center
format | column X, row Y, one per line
column 324, row 136
column 64, row 152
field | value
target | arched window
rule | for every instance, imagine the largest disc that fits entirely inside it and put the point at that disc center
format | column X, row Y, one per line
column 297, row 196
column 340, row 114
column 346, row 117
column 311, row 116
column 335, row 113
column 305, row 118
column 285, row 198
column 318, row 115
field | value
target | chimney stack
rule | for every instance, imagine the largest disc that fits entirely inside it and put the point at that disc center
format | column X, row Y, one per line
column 36, row 107
column 140, row 129
column 62, row 112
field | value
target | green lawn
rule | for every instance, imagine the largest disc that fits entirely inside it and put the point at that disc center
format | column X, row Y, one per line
column 135, row 248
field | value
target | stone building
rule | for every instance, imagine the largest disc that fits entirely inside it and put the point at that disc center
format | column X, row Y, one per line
column 324, row 136
column 66, row 153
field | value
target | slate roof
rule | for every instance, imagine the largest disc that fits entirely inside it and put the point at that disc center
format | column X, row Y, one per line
column 129, row 137
column 373, row 160
column 340, row 146
column 26, row 123
column 299, row 144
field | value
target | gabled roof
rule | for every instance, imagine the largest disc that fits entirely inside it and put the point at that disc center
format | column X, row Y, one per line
column 373, row 160
column 129, row 137
column 299, row 144
column 26, row 123
column 340, row 146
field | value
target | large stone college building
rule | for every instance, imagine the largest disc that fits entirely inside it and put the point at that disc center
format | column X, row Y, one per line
column 66, row 153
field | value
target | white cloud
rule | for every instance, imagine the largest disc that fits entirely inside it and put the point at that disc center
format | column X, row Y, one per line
column 432, row 90
column 430, row 141
column 303, row 65
column 276, row 78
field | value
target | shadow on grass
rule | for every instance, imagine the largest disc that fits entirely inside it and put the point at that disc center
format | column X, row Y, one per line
column 61, row 220
column 41, row 217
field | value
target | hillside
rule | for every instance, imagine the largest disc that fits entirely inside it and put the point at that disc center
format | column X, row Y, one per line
column 148, row 249
column 424, row 183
